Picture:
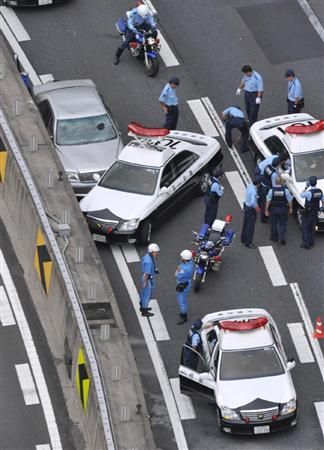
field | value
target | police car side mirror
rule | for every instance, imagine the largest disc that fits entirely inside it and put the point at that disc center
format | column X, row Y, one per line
column 163, row 191
column 291, row 363
column 96, row 177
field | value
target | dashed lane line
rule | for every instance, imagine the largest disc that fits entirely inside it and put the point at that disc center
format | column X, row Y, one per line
column 6, row 316
column 312, row 18
column 272, row 265
column 319, row 406
column 46, row 78
column 14, row 23
column 43, row 447
column 151, row 6
column 166, row 54
column 27, row 384
column 157, row 323
column 236, row 183
column 299, row 339
column 203, row 118
column 130, row 253
column 185, row 407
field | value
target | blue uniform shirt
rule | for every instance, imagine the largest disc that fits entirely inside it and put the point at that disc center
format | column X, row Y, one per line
column 251, row 196
column 295, row 90
column 254, row 83
column 263, row 164
column 148, row 265
column 185, row 271
column 134, row 20
column 289, row 197
column 168, row 96
column 217, row 188
column 232, row 111
column 195, row 339
column 308, row 195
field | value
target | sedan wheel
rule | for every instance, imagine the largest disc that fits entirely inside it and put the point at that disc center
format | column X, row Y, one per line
column 144, row 232
column 203, row 183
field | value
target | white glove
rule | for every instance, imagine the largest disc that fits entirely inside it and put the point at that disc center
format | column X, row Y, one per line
column 238, row 91
column 258, row 100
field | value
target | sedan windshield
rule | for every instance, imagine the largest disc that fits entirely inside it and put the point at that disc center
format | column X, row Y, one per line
column 85, row 130
column 252, row 363
column 129, row 178
column 308, row 164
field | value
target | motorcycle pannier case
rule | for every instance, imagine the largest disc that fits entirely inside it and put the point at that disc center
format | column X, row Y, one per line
column 121, row 25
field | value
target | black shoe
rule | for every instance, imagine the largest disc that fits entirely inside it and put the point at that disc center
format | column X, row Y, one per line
column 304, row 246
column 116, row 60
column 144, row 309
column 146, row 313
column 183, row 319
column 250, row 246
column 282, row 242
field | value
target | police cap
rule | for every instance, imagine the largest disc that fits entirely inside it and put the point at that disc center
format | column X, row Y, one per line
column 197, row 324
column 289, row 73
column 174, row 80
column 276, row 161
column 312, row 180
column 218, row 173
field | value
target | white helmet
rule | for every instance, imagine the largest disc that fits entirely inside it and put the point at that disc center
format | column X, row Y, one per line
column 143, row 11
column 153, row 248
column 186, row 255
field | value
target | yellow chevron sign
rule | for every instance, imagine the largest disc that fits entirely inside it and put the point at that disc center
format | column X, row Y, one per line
column 3, row 161
column 82, row 380
column 43, row 262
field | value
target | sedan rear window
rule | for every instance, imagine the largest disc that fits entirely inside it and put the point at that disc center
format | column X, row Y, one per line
column 252, row 363
column 85, row 130
column 308, row 164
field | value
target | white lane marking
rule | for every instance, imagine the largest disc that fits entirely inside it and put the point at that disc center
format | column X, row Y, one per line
column 153, row 350
column 272, row 265
column 27, row 384
column 14, row 23
column 43, row 447
column 157, row 323
column 312, row 18
column 130, row 253
column 166, row 52
column 32, row 355
column 203, row 118
column 46, row 78
column 151, row 7
column 309, row 326
column 6, row 316
column 185, row 407
column 299, row 338
column 236, row 182
column 319, row 406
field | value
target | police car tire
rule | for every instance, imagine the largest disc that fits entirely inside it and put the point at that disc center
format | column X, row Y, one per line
column 203, row 183
column 219, row 421
column 197, row 282
column 144, row 232
column 154, row 67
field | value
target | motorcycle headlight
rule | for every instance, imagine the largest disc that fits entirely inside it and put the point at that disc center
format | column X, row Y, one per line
column 151, row 41
column 72, row 175
column 229, row 414
column 129, row 225
column 203, row 256
column 288, row 407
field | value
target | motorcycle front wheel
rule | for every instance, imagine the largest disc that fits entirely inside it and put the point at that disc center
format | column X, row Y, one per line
column 152, row 67
column 198, row 281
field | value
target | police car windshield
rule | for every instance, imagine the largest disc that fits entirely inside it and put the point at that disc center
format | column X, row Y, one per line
column 251, row 363
column 309, row 164
column 131, row 178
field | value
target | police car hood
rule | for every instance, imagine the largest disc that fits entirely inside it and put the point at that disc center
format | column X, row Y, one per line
column 124, row 205
column 237, row 393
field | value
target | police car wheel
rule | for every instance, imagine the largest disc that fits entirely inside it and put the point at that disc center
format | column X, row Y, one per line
column 144, row 233
column 203, row 183
column 219, row 420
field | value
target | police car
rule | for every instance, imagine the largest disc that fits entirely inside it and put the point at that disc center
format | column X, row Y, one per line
column 243, row 367
column 151, row 174
column 302, row 137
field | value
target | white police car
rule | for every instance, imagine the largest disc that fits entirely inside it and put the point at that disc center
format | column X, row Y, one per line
column 302, row 137
column 243, row 368
column 156, row 169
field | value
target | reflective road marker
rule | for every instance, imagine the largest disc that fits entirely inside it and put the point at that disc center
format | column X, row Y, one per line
column 299, row 338
column 186, row 410
column 272, row 265
column 236, row 182
column 203, row 118
column 157, row 323
column 27, row 384
column 6, row 316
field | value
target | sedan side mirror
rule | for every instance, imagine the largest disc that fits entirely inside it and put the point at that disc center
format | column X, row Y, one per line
column 291, row 363
column 163, row 191
column 96, row 177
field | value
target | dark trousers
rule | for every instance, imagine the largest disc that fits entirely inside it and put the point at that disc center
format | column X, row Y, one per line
column 248, row 225
column 308, row 227
column 293, row 109
column 279, row 220
column 241, row 125
column 171, row 117
column 211, row 210
column 252, row 109
column 262, row 200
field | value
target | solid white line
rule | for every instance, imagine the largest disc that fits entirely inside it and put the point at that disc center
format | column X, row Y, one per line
column 43, row 447
column 153, row 351
column 166, row 52
column 309, row 326
column 319, row 406
column 236, row 182
column 14, row 23
column 151, row 7
column 32, row 355
column 27, row 384
column 157, row 323
column 312, row 18
column 130, row 253
column 203, row 118
column 272, row 265
column 46, row 78
column 185, row 407
column 6, row 316
column 299, row 338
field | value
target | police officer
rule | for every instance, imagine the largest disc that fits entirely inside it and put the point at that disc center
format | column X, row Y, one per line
column 252, row 83
column 268, row 172
column 313, row 197
column 183, row 276
column 149, row 270
column 234, row 118
column 250, row 213
column 169, row 103
column 295, row 97
column 212, row 196
column 278, row 198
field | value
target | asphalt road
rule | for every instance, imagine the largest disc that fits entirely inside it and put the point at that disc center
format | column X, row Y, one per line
column 212, row 40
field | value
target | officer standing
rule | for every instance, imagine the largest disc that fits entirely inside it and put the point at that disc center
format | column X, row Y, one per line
column 295, row 97
column 252, row 83
column 234, row 118
column 250, row 213
column 279, row 198
column 212, row 196
column 268, row 172
column 183, row 276
column 149, row 270
column 313, row 197
column 169, row 103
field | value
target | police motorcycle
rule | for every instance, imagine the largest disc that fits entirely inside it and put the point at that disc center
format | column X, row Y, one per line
column 211, row 243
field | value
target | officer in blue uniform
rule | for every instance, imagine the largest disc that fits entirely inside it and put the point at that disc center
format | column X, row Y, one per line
column 252, row 83
column 268, row 172
column 313, row 197
column 149, row 271
column 183, row 276
column 234, row 118
column 190, row 358
column 250, row 213
column 169, row 103
column 278, row 199
column 295, row 97
column 212, row 196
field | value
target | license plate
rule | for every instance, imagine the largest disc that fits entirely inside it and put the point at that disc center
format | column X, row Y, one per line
column 262, row 430
column 99, row 238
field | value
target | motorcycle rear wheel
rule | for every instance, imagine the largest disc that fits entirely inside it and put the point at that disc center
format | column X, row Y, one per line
column 152, row 68
column 198, row 281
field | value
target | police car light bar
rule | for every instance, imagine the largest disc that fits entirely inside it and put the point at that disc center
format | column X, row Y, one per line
column 249, row 324
column 300, row 128
column 138, row 130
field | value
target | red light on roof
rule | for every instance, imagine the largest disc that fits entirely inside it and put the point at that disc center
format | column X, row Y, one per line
column 139, row 130
column 242, row 326
column 300, row 128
